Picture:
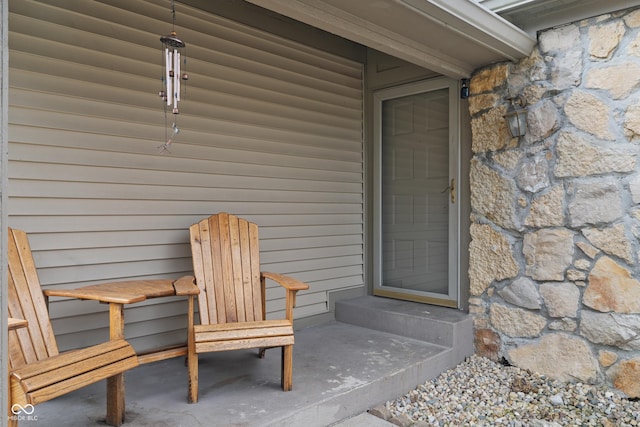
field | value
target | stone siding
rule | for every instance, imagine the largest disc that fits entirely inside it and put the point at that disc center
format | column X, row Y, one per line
column 555, row 251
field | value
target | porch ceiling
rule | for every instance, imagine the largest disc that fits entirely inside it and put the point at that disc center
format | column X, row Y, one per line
column 451, row 37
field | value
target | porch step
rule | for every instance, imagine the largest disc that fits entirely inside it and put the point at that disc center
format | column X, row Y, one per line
column 442, row 326
column 448, row 329
column 363, row 368
column 405, row 343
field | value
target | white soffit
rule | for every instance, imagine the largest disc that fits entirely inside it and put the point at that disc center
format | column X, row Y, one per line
column 535, row 15
column 451, row 37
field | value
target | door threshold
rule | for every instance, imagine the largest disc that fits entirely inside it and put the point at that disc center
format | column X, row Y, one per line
column 415, row 298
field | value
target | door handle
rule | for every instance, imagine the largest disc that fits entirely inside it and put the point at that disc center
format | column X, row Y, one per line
column 452, row 190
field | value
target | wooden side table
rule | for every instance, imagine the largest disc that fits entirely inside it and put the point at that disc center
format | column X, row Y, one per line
column 117, row 294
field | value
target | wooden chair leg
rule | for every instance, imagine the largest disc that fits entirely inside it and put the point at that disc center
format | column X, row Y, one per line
column 115, row 400
column 12, row 420
column 192, row 361
column 20, row 401
column 261, row 352
column 192, row 356
column 115, row 384
column 287, row 367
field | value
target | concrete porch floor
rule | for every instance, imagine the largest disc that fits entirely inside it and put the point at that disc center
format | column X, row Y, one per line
column 340, row 370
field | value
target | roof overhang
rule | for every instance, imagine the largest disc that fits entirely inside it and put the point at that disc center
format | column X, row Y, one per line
column 450, row 37
column 535, row 15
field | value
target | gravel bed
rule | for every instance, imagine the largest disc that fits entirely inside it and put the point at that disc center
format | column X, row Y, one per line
column 479, row 392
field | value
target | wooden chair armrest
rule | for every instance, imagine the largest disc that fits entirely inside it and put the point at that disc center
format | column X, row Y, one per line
column 186, row 285
column 287, row 282
column 290, row 284
column 17, row 323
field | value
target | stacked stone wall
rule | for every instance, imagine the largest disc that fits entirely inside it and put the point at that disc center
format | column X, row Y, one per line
column 555, row 252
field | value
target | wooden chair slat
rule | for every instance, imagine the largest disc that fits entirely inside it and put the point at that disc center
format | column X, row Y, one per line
column 226, row 265
column 256, row 288
column 206, row 302
column 217, row 272
column 241, row 344
column 15, row 354
column 236, row 269
column 96, row 374
column 37, row 298
column 58, row 372
column 20, row 343
column 245, row 273
column 244, row 333
column 25, row 304
column 246, row 325
column 214, row 263
column 70, row 358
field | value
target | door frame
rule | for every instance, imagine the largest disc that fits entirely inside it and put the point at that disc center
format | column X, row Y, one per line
column 454, row 208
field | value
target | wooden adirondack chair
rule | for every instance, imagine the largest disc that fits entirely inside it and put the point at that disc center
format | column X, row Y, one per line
column 231, row 302
column 37, row 371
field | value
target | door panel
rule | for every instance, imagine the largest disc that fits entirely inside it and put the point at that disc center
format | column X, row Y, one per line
column 416, row 218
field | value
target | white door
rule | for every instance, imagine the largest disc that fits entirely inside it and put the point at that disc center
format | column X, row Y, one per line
column 416, row 211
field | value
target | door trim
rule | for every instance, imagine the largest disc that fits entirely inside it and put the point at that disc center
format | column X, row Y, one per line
column 454, row 173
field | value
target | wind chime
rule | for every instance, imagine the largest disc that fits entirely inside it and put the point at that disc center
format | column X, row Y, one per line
column 173, row 58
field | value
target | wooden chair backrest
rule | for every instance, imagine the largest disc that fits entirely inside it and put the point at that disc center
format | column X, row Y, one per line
column 226, row 264
column 26, row 301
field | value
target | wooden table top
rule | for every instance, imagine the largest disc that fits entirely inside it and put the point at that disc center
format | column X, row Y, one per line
column 125, row 292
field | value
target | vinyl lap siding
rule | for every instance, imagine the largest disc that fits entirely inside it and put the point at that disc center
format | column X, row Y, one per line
column 271, row 130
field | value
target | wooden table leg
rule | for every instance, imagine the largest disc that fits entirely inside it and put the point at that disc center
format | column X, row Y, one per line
column 115, row 384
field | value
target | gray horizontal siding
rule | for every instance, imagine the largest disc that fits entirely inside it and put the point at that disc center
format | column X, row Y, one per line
column 271, row 130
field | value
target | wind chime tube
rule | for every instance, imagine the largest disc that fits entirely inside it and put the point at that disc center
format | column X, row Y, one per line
column 176, row 75
column 168, row 61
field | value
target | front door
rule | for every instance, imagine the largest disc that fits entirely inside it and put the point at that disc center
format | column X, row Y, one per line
column 416, row 174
